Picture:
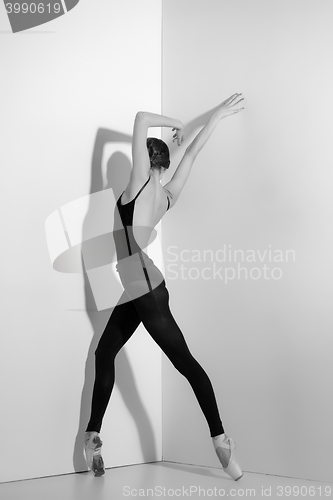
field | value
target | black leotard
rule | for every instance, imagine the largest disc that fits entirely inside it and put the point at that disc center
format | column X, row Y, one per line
column 133, row 263
column 126, row 212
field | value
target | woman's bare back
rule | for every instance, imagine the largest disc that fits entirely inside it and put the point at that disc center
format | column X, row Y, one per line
column 149, row 207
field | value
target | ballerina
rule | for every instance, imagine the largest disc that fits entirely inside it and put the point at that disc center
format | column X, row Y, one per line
column 146, row 298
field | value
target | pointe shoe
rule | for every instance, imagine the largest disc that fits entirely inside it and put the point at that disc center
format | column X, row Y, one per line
column 233, row 469
column 92, row 448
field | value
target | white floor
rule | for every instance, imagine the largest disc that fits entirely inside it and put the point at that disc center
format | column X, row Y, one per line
column 163, row 480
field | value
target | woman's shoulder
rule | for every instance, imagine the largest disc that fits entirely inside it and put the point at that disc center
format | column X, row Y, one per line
column 135, row 184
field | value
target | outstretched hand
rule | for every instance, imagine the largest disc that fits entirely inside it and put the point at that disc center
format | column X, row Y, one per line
column 229, row 106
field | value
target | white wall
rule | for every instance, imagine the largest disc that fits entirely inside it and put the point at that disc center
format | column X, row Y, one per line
column 263, row 182
column 66, row 89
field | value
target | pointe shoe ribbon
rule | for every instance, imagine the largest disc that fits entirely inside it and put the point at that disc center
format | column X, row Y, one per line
column 233, row 469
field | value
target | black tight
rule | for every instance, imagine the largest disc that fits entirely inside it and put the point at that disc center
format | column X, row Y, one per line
column 153, row 310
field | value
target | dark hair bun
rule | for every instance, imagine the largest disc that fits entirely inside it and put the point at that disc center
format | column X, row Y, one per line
column 158, row 153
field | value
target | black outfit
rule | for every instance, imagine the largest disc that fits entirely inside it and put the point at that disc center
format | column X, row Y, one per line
column 145, row 298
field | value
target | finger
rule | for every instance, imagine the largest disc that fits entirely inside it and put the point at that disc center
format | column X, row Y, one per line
column 231, row 98
column 234, row 99
column 237, row 102
column 233, row 111
column 238, row 110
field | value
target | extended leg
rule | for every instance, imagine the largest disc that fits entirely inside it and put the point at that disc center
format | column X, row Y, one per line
column 153, row 308
column 122, row 323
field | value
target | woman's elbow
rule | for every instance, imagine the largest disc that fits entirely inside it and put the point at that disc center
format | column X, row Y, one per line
column 140, row 115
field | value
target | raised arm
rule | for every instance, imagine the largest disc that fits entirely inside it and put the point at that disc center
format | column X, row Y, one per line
column 179, row 178
column 140, row 156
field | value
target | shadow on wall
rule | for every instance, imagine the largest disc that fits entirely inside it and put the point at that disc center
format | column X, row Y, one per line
column 117, row 176
column 118, row 170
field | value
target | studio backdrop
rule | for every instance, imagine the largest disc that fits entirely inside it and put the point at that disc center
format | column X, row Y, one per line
column 246, row 251
column 248, row 247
